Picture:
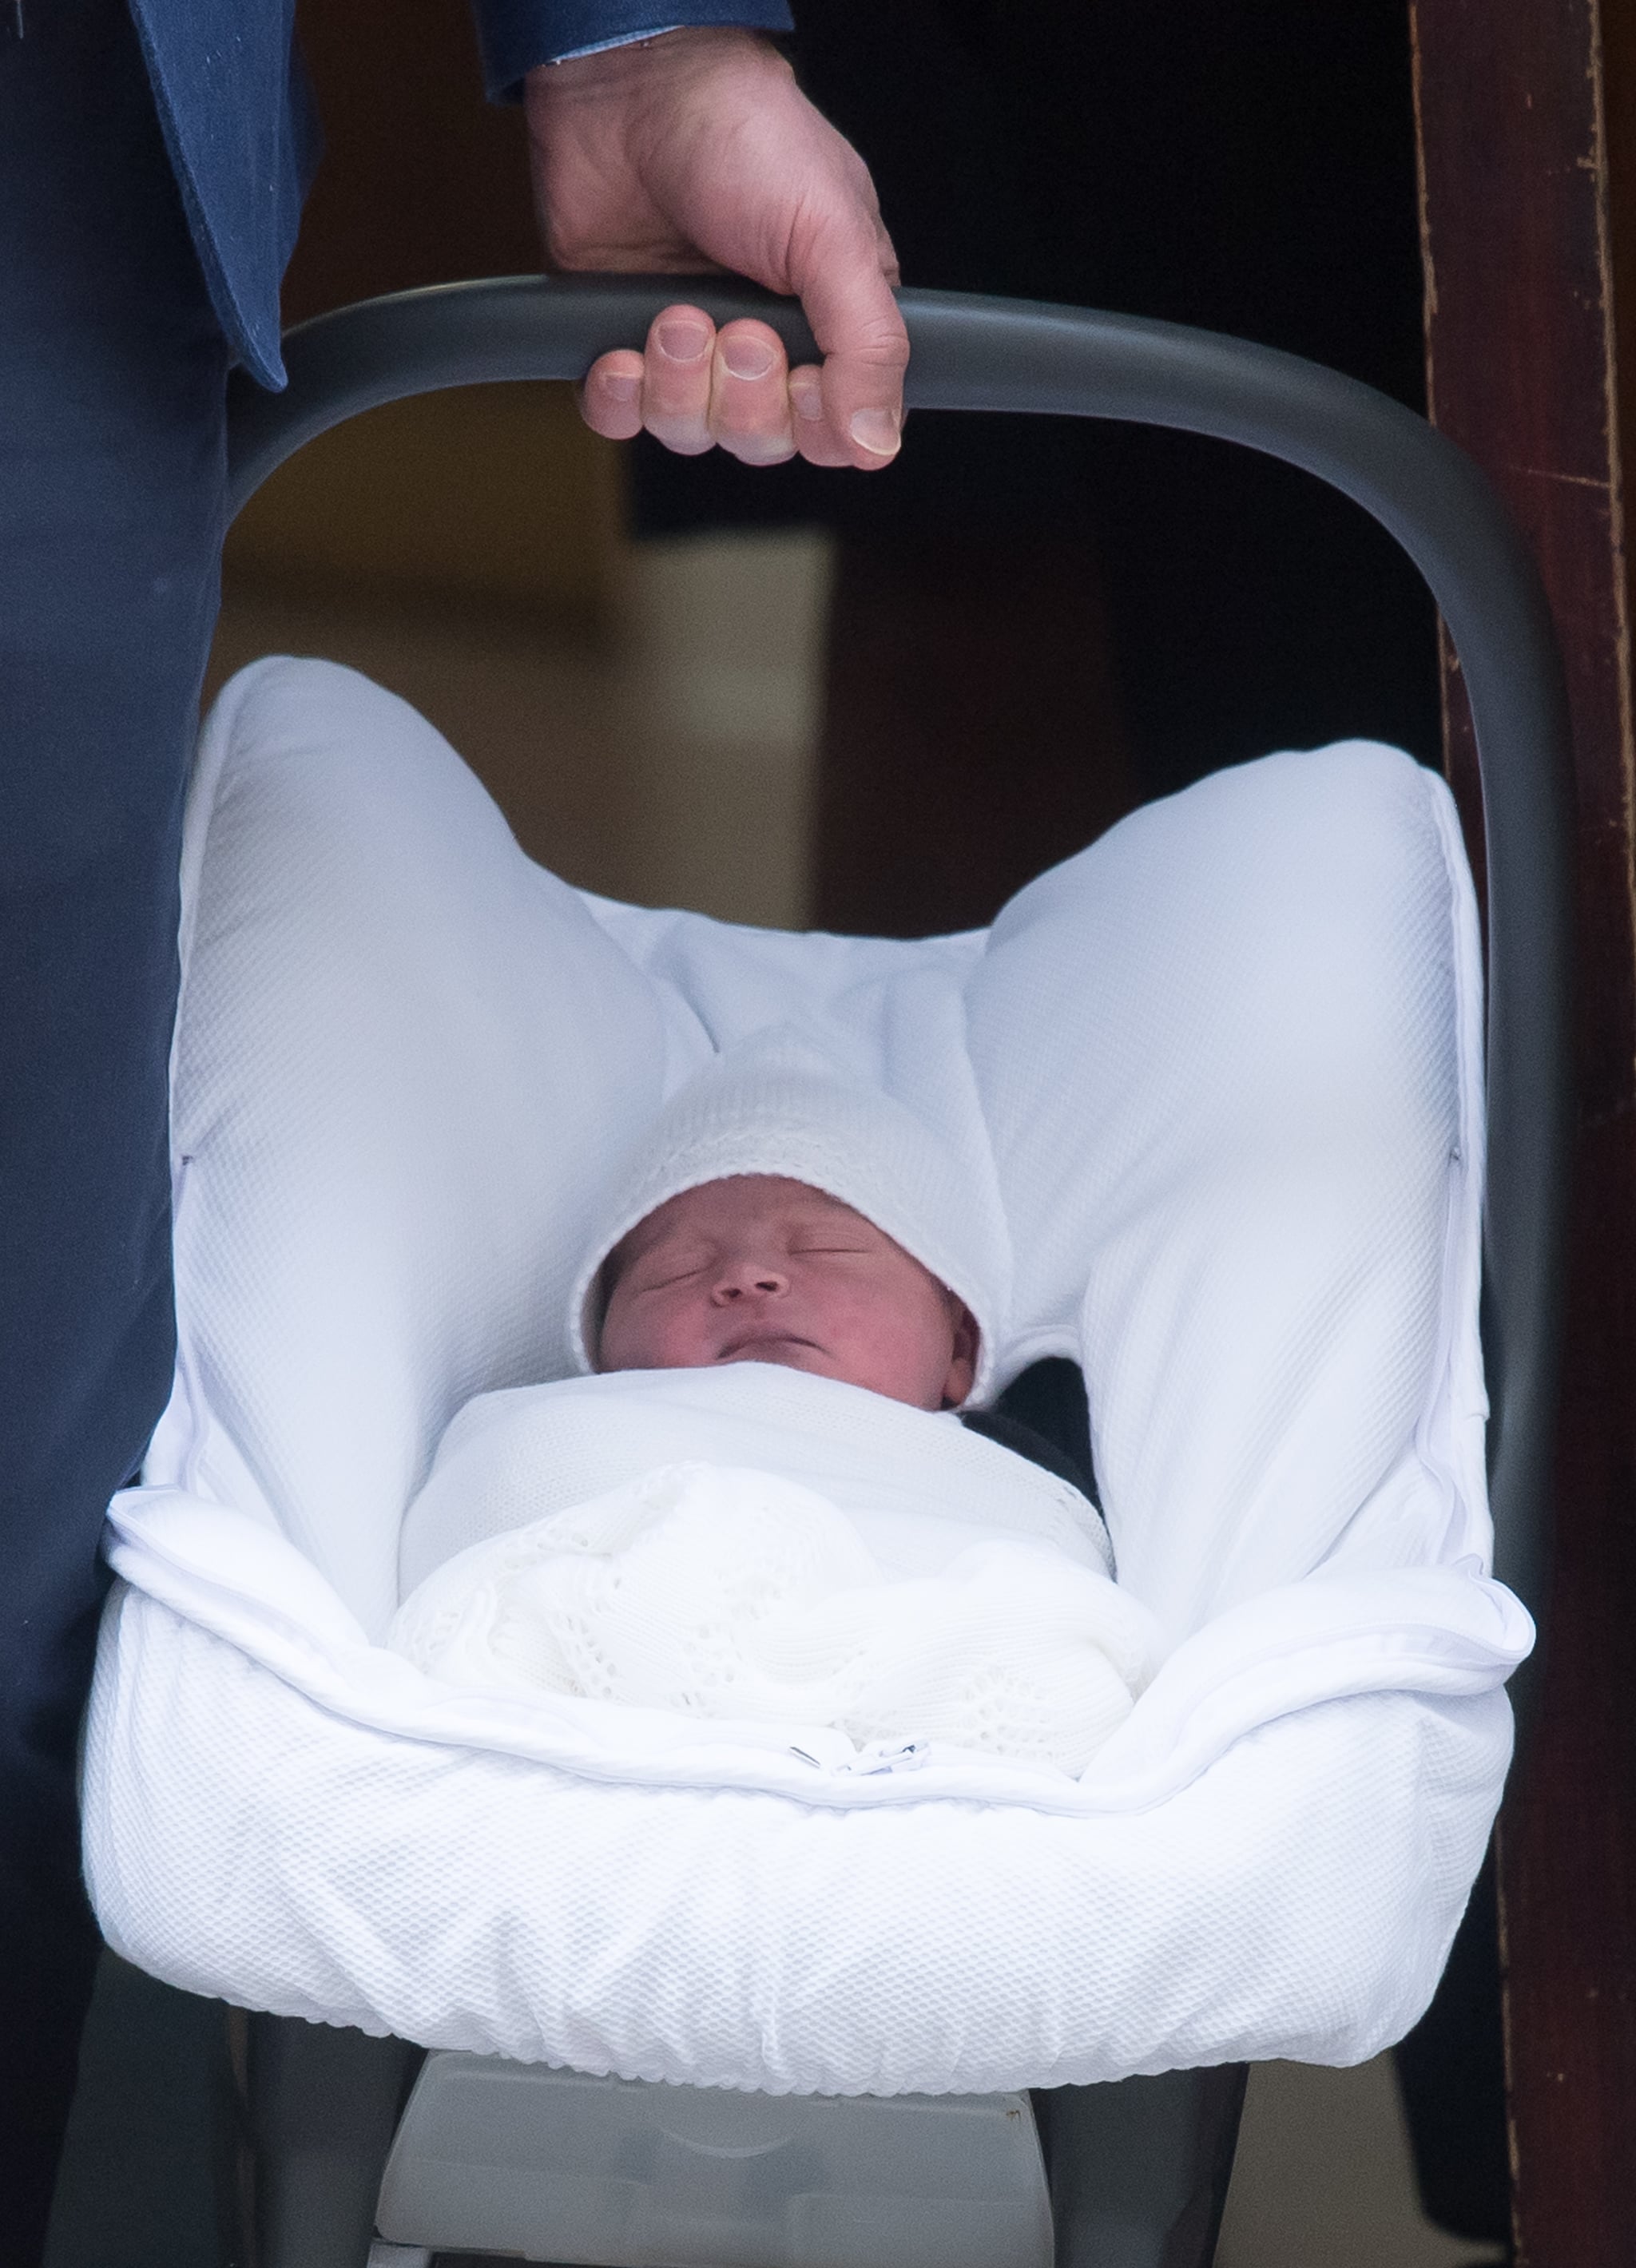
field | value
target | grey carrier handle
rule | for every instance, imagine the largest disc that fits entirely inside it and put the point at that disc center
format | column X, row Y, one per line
column 1012, row 355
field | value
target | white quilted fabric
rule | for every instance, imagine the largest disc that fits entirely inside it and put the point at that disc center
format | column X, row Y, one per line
column 581, row 1537
column 1220, row 1074
column 1296, row 1900
column 727, row 1593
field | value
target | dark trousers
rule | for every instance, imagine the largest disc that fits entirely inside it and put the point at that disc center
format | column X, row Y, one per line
column 111, row 376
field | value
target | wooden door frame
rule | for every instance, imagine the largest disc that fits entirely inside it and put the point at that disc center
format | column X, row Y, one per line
column 1526, row 114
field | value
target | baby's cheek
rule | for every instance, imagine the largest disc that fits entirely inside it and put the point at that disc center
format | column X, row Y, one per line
column 626, row 1336
column 904, row 1349
column 661, row 1339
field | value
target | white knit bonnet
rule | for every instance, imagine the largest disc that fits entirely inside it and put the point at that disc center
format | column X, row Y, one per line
column 777, row 1104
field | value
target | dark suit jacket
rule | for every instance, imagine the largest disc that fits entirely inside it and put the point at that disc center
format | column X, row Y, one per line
column 239, row 128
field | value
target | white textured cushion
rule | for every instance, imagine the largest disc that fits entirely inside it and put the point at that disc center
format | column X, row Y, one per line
column 401, row 1053
column 1222, row 1067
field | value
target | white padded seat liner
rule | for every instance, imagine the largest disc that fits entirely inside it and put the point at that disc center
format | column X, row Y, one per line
column 1217, row 1078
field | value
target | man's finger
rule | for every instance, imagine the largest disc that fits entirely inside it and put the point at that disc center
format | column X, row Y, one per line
column 749, row 400
column 610, row 400
column 676, row 377
column 856, row 324
column 811, row 423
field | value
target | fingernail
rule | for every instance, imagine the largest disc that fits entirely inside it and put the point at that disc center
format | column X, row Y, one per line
column 748, row 357
column 808, row 401
column 682, row 342
column 876, row 431
column 621, row 389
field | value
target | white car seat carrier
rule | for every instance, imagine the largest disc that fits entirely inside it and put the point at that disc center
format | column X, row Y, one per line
column 354, row 2135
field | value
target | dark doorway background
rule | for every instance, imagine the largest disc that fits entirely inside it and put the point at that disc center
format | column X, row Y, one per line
column 1129, row 609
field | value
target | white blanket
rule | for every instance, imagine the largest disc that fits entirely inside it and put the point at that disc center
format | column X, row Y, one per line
column 964, row 1599
column 1217, row 1083
column 918, row 1485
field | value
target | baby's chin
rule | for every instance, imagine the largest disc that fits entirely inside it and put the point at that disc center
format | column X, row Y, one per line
column 799, row 1354
column 790, row 1354
column 785, row 1354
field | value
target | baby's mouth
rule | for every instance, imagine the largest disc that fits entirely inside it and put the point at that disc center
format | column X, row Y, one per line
column 763, row 1343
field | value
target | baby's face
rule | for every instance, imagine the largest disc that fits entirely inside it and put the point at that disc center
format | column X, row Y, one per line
column 757, row 1269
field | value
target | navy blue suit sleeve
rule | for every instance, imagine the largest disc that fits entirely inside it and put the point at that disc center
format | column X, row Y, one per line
column 516, row 34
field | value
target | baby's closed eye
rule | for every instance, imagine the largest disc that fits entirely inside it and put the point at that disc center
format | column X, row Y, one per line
column 661, row 1276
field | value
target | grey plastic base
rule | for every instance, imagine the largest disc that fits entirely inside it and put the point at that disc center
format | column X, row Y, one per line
column 503, row 2157
column 1137, row 2170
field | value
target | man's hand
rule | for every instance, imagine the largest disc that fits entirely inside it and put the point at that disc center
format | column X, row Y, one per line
column 697, row 151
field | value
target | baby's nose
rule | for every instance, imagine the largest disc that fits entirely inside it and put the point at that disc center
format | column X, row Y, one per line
column 742, row 1279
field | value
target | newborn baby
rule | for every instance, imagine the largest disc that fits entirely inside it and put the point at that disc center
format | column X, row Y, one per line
column 757, row 1267
column 760, row 1508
